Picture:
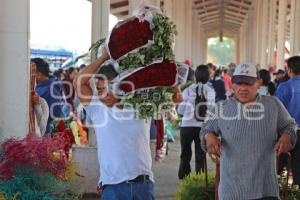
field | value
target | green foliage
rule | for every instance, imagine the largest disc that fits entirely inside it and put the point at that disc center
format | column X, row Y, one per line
column 95, row 46
column 193, row 187
column 29, row 184
column 148, row 103
column 293, row 190
column 221, row 52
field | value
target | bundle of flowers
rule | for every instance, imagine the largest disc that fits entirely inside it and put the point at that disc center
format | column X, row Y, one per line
column 71, row 127
column 150, row 76
column 137, row 43
column 36, row 168
column 125, row 32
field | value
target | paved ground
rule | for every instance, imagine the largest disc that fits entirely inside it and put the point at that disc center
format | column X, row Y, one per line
column 166, row 179
column 165, row 172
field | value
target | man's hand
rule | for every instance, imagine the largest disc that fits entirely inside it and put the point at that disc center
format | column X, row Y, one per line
column 35, row 98
column 284, row 144
column 177, row 97
column 213, row 144
column 109, row 100
column 105, row 55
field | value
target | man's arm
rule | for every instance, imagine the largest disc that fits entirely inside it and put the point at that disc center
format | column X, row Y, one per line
column 286, row 128
column 210, row 132
column 81, row 82
column 177, row 96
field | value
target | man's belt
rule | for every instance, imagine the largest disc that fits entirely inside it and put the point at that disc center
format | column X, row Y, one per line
column 139, row 179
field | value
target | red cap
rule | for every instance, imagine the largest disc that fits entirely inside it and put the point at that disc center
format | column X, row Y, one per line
column 188, row 62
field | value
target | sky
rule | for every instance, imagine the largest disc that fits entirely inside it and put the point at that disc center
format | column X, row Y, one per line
column 61, row 24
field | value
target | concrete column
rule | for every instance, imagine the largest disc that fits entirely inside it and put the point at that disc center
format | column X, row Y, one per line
column 250, row 38
column 133, row 4
column 179, row 18
column 195, row 39
column 14, row 69
column 202, row 59
column 264, row 33
column 188, row 29
column 256, row 50
column 281, row 33
column 168, row 8
column 100, row 19
column 295, row 28
column 271, row 31
column 199, row 44
column 240, row 39
column 243, row 42
column 204, row 48
column 237, row 49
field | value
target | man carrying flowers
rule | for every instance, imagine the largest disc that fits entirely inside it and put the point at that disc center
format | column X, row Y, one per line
column 123, row 141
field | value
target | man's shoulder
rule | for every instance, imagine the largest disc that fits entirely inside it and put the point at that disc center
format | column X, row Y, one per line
column 227, row 101
column 284, row 85
column 283, row 89
column 269, row 100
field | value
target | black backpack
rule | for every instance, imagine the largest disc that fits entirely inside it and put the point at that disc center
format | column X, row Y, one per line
column 200, row 105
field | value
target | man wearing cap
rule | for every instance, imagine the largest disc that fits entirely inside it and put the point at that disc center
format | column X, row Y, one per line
column 280, row 77
column 248, row 131
column 289, row 94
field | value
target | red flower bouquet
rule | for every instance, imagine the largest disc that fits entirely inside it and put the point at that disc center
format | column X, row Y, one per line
column 138, row 45
column 155, row 75
column 128, row 36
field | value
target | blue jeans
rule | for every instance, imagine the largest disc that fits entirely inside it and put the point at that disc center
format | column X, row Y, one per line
column 129, row 191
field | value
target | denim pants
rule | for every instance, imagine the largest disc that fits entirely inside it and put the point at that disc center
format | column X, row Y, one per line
column 129, row 191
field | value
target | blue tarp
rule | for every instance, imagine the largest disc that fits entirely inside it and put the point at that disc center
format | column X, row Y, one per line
column 62, row 53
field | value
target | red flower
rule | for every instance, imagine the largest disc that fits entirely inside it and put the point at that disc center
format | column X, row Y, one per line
column 43, row 154
column 66, row 139
column 129, row 36
column 156, row 75
column 60, row 126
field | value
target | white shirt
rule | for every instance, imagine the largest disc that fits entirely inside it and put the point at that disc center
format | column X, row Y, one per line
column 123, row 143
column 187, row 107
column 41, row 112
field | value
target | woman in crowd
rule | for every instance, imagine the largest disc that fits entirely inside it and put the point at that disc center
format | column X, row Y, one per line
column 219, row 85
column 196, row 97
column 266, row 87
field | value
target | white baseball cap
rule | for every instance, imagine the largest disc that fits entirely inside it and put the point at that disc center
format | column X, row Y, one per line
column 245, row 73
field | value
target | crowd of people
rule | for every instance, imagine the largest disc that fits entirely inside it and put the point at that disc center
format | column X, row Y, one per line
column 54, row 97
column 237, row 113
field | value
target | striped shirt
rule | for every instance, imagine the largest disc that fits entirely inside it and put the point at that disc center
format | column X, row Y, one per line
column 248, row 136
